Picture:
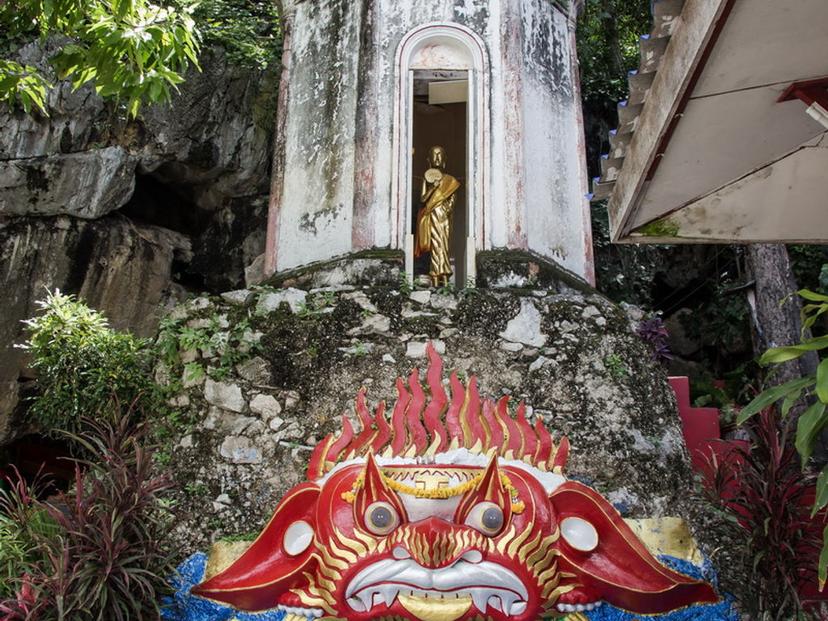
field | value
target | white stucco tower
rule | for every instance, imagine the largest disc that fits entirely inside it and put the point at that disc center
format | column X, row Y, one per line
column 369, row 85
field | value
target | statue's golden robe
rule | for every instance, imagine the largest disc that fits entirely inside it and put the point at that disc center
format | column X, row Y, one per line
column 433, row 226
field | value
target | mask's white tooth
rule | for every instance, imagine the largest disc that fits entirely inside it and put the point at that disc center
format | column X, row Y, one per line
column 366, row 598
column 357, row 604
column 507, row 599
column 517, row 608
column 589, row 607
column 480, row 597
column 494, row 602
column 389, row 594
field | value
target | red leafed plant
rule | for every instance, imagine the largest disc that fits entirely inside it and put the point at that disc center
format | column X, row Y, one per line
column 766, row 495
column 108, row 557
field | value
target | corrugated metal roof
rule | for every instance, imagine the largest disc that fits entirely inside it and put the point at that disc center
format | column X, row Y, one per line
column 652, row 46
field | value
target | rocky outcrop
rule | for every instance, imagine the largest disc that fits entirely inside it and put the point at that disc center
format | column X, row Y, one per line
column 82, row 160
column 87, row 184
column 130, row 213
column 112, row 263
column 278, row 368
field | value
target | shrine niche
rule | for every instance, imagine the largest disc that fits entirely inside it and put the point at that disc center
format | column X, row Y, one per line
column 368, row 88
column 445, row 508
column 442, row 96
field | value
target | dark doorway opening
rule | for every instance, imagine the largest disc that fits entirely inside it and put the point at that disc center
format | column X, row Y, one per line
column 440, row 118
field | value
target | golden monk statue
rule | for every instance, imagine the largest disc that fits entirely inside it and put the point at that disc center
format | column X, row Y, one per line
column 438, row 196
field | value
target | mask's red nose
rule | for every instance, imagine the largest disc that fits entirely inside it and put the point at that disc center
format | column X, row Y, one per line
column 436, row 543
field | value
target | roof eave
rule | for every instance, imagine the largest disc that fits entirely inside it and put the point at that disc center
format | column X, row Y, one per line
column 690, row 42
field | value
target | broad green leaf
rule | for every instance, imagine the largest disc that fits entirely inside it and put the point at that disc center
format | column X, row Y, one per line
column 791, row 352
column 770, row 396
column 821, row 491
column 808, row 427
column 812, row 296
column 822, row 381
column 823, row 559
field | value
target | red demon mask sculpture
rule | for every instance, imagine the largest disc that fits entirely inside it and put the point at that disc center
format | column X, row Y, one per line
column 451, row 510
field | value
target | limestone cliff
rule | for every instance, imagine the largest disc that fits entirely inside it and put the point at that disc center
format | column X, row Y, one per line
column 130, row 214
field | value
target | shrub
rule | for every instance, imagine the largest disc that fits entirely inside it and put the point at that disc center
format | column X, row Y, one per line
column 82, row 365
column 653, row 332
column 812, row 390
column 108, row 557
column 22, row 524
column 765, row 496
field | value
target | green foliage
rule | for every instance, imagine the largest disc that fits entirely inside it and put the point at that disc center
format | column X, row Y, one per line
column 810, row 266
column 405, row 287
column 240, row 537
column 22, row 84
column 616, row 366
column 608, row 37
column 723, row 320
column 83, row 365
column 316, row 303
column 230, row 341
column 608, row 46
column 812, row 388
column 132, row 51
column 249, row 30
column 728, row 393
column 624, row 272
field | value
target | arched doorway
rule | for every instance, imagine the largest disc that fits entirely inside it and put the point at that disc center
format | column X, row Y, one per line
column 442, row 76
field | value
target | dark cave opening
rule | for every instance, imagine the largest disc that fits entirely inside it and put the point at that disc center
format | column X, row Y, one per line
column 165, row 204
column 39, row 458
column 225, row 238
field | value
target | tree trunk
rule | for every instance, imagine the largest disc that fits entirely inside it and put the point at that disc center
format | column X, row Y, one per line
column 609, row 24
column 775, row 308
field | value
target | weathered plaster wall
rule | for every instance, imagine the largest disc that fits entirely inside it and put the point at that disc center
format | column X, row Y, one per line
column 336, row 192
column 555, row 198
column 317, row 208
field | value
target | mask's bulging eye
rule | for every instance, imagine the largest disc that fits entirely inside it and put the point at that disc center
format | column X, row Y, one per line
column 381, row 518
column 486, row 517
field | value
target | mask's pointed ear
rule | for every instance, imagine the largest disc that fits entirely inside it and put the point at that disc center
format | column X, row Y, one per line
column 611, row 561
column 275, row 561
column 374, row 490
column 489, row 489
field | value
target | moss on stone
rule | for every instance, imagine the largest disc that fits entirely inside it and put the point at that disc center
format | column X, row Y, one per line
column 535, row 272
column 665, row 227
column 485, row 314
column 386, row 270
column 625, row 433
